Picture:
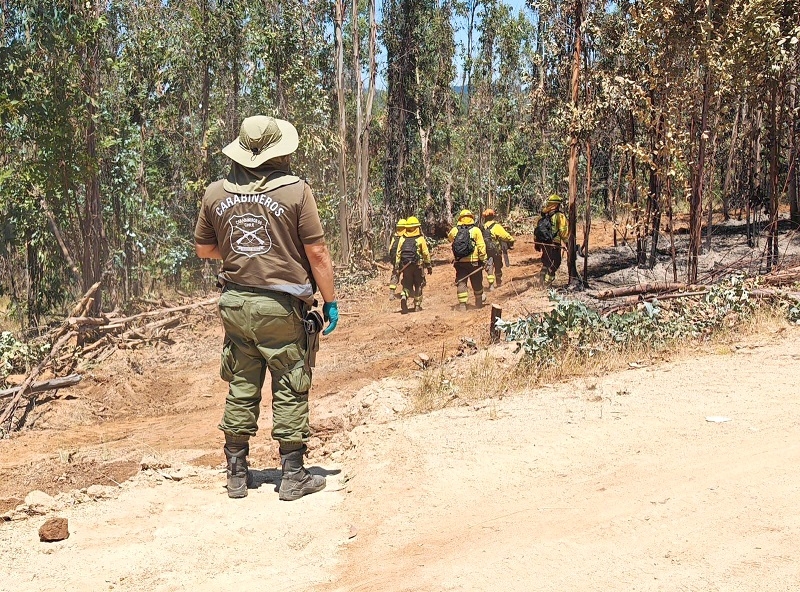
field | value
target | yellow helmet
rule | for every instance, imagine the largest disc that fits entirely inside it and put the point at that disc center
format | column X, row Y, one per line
column 555, row 198
column 401, row 223
column 412, row 222
column 465, row 214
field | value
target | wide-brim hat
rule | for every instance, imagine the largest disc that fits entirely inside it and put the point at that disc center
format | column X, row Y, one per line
column 262, row 138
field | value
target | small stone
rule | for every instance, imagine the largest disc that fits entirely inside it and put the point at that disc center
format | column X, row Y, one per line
column 38, row 502
column 151, row 462
column 55, row 529
column 100, row 491
column 180, row 473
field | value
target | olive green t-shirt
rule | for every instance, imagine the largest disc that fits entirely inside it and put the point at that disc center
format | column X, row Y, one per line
column 261, row 236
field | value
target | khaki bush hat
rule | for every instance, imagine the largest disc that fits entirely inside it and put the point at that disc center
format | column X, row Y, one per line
column 262, row 138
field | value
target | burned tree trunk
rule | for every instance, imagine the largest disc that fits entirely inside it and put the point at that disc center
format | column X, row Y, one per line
column 573, row 147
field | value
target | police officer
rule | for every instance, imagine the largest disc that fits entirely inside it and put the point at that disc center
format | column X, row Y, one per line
column 263, row 223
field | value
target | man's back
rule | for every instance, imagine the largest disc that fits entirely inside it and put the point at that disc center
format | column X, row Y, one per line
column 261, row 236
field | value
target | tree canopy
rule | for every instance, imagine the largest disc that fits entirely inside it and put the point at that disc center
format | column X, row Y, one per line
column 113, row 115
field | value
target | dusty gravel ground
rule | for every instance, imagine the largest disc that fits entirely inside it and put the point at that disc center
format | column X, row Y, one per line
column 609, row 483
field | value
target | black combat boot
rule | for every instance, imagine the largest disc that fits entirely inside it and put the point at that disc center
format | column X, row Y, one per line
column 236, row 451
column 296, row 481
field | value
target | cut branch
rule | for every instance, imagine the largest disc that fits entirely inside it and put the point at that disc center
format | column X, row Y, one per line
column 46, row 385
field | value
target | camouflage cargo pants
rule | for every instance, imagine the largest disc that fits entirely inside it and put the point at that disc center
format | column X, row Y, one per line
column 265, row 332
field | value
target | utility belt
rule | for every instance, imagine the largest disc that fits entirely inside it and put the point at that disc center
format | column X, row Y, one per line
column 226, row 285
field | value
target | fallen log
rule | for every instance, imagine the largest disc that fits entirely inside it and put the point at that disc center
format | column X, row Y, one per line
column 87, row 321
column 46, row 385
column 782, row 278
column 774, row 294
column 83, row 306
column 164, row 311
column 630, row 302
column 649, row 288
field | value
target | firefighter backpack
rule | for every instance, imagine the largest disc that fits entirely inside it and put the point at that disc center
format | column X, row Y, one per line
column 408, row 251
column 544, row 233
column 491, row 244
column 463, row 244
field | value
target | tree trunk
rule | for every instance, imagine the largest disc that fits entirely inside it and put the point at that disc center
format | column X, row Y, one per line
column 772, row 186
column 59, row 239
column 466, row 74
column 726, row 185
column 587, row 221
column 363, row 163
column 794, row 137
column 710, row 172
column 344, row 234
column 574, row 145
column 672, row 252
column 424, row 141
column 358, row 95
column 641, row 239
column 400, row 22
column 94, row 244
column 33, row 271
column 656, row 172
column 615, row 197
column 696, row 202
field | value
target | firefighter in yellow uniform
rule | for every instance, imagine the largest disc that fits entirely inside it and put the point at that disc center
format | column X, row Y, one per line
column 551, row 232
column 469, row 252
column 412, row 256
column 399, row 232
column 502, row 241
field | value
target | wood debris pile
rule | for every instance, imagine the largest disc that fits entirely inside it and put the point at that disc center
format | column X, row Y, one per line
column 630, row 296
column 81, row 341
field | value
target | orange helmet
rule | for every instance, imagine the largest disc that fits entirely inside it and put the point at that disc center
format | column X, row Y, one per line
column 488, row 212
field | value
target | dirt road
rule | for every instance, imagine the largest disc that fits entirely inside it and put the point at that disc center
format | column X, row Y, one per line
column 613, row 483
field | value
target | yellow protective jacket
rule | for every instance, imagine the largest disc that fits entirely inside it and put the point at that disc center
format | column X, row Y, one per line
column 559, row 222
column 560, row 227
column 479, row 252
column 499, row 234
column 422, row 252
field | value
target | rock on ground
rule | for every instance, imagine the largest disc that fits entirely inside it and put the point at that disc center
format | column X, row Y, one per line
column 55, row 529
column 38, row 502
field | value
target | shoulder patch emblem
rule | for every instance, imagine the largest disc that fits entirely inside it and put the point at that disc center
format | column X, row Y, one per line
column 250, row 235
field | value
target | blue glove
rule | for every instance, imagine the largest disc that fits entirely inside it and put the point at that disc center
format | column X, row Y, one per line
column 330, row 310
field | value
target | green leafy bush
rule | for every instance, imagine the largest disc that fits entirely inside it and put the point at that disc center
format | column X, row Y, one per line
column 17, row 356
column 573, row 324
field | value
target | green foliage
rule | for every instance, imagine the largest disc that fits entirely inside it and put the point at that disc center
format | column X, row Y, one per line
column 793, row 314
column 169, row 82
column 571, row 324
column 16, row 356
